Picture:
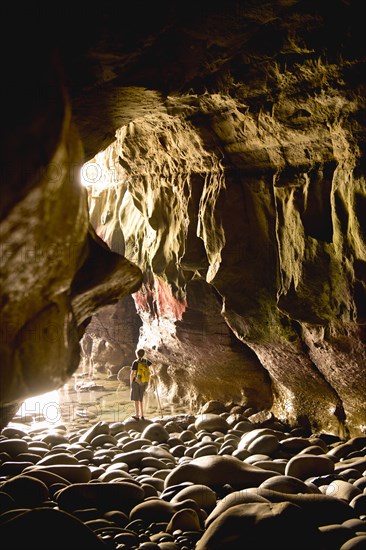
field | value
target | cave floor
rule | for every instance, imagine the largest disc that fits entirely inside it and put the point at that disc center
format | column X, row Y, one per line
column 85, row 400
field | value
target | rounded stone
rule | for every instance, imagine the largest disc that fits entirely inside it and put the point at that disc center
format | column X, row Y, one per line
column 261, row 525
column 357, row 462
column 12, row 468
column 358, row 503
column 355, row 524
column 248, row 437
column 153, row 510
column 135, row 444
column 48, row 528
column 333, row 536
column 304, row 466
column 103, row 439
column 13, row 446
column 211, row 422
column 360, row 483
column 227, row 449
column 155, row 432
column 342, row 489
column 217, row 471
column 117, row 466
column 252, row 459
column 186, row 520
column 205, row 450
column 113, row 475
column 58, row 458
column 149, row 490
column 202, row 494
column 213, row 407
column 105, row 496
column 285, row 484
column 312, row 450
column 265, row 444
column 271, row 465
column 187, row 435
column 26, row 491
column 178, row 450
column 13, row 432
column 168, row 545
column 153, row 462
column 244, row 426
column 74, row 473
column 95, row 430
column 84, row 454
column 55, row 439
column 340, row 451
column 351, row 473
column 245, row 496
column 323, row 509
column 49, row 478
column 356, row 543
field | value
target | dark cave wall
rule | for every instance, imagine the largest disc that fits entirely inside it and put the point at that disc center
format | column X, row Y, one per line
column 54, row 270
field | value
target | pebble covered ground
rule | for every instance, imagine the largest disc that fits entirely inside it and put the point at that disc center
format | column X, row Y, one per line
column 224, row 478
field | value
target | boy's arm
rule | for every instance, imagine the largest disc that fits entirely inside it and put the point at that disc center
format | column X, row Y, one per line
column 133, row 374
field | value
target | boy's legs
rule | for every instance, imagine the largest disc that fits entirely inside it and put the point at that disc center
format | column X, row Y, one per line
column 138, row 408
column 143, row 389
column 138, row 390
column 141, row 410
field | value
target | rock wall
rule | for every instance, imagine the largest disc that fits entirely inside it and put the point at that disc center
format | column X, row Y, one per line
column 55, row 271
column 110, row 339
column 258, row 236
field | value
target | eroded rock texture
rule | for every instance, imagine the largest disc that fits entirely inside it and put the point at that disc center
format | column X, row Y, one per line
column 227, row 162
column 55, row 271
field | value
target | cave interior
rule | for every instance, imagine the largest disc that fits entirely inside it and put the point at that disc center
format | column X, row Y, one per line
column 188, row 177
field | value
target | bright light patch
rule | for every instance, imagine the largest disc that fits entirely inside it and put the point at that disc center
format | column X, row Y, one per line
column 45, row 407
column 91, row 174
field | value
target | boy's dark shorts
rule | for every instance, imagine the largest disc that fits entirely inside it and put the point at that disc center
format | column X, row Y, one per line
column 137, row 391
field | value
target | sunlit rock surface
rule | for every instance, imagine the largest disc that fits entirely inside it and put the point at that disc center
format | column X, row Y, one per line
column 266, row 239
column 110, row 339
column 55, row 271
column 227, row 144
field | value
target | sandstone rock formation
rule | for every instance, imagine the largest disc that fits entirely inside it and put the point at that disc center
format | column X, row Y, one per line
column 226, row 160
column 55, row 271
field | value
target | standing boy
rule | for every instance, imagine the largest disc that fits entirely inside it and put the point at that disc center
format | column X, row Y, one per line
column 139, row 380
